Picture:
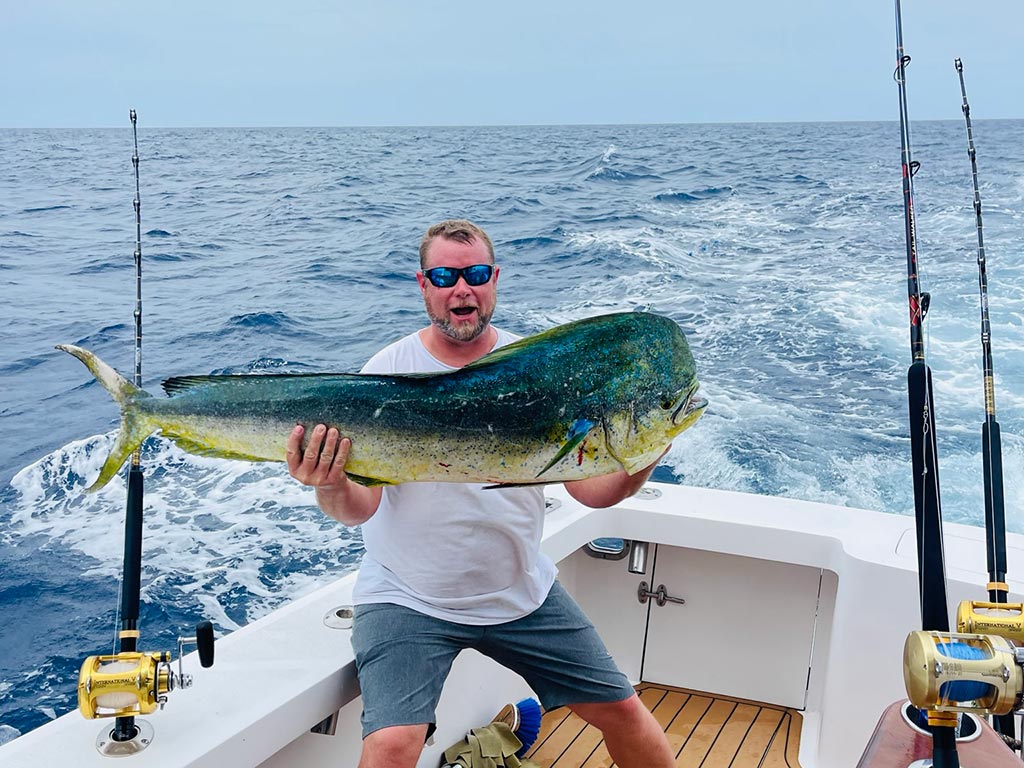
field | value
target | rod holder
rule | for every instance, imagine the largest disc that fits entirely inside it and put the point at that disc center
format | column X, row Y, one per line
column 638, row 557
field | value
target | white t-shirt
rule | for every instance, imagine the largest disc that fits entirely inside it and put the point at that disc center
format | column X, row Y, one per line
column 454, row 551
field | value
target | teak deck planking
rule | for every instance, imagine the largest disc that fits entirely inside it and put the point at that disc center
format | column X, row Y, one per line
column 704, row 730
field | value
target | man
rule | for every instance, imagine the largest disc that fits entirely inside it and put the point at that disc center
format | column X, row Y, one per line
column 450, row 565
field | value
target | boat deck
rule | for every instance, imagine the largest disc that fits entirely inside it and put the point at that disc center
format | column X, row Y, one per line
column 705, row 730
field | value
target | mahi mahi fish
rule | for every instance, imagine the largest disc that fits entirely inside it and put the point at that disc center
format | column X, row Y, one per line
column 582, row 399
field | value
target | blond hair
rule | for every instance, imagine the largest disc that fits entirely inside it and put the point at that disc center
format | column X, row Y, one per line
column 459, row 230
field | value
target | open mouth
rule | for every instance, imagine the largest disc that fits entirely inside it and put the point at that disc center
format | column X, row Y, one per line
column 690, row 404
column 463, row 311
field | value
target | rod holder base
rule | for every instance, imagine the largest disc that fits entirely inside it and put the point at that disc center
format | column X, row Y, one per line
column 107, row 746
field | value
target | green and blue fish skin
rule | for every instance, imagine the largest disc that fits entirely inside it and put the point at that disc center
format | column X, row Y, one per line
column 582, row 399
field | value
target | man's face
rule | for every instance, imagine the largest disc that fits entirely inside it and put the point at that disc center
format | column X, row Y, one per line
column 462, row 311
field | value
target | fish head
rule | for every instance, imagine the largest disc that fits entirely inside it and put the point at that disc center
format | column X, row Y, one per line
column 686, row 408
column 662, row 400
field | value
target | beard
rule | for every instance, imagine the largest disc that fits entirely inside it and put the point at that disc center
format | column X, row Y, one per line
column 461, row 331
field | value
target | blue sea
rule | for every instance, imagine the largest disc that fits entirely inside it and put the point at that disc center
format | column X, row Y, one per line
column 778, row 248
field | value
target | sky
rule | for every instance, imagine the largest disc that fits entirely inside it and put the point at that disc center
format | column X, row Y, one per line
column 85, row 63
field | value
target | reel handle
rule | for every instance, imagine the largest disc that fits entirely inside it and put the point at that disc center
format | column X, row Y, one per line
column 204, row 639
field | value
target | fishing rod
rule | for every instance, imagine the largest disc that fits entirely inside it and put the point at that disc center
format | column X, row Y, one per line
column 970, row 614
column 128, row 683
column 922, row 410
column 924, row 452
column 131, row 579
column 991, row 441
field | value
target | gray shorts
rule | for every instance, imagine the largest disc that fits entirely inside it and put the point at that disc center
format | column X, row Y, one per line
column 403, row 658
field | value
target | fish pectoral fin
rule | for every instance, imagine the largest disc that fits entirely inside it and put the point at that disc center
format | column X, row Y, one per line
column 634, row 464
column 577, row 432
column 369, row 482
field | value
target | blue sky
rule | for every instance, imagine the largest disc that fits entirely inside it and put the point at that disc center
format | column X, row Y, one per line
column 83, row 63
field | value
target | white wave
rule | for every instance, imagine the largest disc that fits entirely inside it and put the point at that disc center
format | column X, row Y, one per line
column 868, row 481
column 236, row 537
column 700, row 457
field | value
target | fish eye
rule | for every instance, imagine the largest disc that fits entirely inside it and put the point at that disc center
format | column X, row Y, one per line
column 670, row 401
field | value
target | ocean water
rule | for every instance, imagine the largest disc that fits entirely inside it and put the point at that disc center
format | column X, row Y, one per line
column 778, row 248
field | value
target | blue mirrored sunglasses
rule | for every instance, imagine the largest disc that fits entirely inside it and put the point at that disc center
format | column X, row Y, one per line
column 446, row 277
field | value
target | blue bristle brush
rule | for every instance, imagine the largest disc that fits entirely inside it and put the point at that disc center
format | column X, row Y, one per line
column 529, row 724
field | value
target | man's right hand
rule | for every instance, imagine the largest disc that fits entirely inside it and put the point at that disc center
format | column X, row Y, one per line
column 322, row 463
column 322, row 466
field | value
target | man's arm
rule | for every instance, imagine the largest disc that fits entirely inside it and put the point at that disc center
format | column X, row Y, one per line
column 608, row 490
column 322, row 465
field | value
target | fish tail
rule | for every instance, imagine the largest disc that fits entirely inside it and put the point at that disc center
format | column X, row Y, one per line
column 134, row 428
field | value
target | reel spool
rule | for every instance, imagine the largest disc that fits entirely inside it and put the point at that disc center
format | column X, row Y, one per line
column 128, row 684
column 956, row 672
column 1003, row 619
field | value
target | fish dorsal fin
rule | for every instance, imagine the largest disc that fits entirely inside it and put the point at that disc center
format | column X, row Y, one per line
column 502, row 353
column 179, row 384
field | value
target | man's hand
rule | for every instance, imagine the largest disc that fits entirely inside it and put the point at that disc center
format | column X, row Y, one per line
column 322, row 466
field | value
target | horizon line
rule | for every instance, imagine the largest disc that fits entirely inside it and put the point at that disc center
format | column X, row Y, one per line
column 491, row 125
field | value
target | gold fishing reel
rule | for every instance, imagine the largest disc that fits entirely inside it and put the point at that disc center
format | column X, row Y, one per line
column 128, row 684
column 959, row 672
column 1003, row 619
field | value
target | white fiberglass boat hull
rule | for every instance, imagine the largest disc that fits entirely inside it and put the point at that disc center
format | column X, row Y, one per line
column 787, row 602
